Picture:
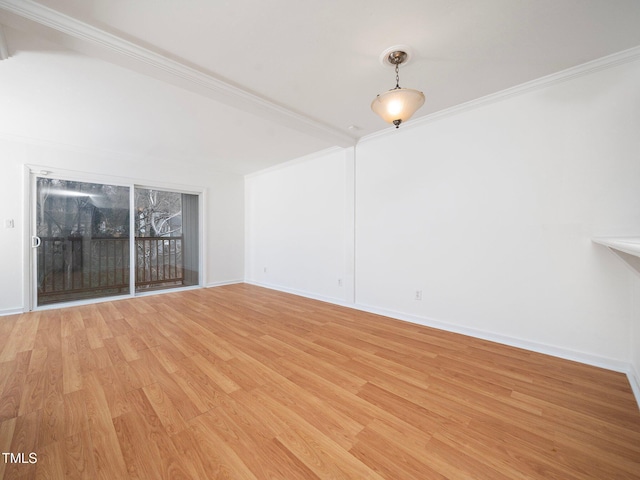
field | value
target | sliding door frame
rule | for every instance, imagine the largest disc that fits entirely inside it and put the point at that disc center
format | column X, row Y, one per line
column 32, row 172
column 201, row 230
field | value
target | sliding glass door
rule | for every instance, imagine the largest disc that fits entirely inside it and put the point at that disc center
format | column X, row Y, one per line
column 83, row 246
column 82, row 240
column 166, row 234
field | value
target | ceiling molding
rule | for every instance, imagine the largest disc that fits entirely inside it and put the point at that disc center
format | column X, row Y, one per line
column 4, row 47
column 296, row 161
column 140, row 58
column 610, row 61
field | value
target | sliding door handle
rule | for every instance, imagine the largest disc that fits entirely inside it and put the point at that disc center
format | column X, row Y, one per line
column 35, row 241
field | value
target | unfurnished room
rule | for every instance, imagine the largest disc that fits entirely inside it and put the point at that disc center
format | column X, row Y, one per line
column 320, row 240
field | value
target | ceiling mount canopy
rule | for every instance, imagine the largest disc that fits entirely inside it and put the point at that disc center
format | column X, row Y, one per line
column 398, row 104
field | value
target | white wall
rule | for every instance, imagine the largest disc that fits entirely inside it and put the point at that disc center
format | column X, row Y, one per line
column 489, row 212
column 300, row 226
column 635, row 325
column 635, row 339
column 224, row 193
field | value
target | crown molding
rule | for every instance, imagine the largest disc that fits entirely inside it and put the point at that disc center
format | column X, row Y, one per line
column 4, row 47
column 296, row 161
column 92, row 40
column 609, row 61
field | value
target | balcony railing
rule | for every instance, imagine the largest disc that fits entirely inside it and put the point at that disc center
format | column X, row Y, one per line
column 71, row 268
column 159, row 261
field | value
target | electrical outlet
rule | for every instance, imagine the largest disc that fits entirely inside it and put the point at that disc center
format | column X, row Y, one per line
column 339, row 282
column 8, row 223
column 418, row 295
column 265, row 269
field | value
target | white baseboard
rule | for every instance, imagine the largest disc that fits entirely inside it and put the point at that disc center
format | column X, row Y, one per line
column 633, row 377
column 302, row 293
column 567, row 354
column 15, row 311
column 555, row 351
column 226, row 282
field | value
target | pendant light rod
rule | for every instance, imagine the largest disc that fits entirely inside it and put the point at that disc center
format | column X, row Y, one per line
column 396, row 58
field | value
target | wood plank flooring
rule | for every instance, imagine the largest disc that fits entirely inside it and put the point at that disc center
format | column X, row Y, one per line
column 240, row 382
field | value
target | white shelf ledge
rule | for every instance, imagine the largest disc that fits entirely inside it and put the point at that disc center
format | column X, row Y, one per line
column 630, row 245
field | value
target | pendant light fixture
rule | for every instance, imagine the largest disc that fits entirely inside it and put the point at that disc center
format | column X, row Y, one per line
column 398, row 104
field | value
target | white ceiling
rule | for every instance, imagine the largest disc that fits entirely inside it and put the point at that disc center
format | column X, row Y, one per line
column 243, row 85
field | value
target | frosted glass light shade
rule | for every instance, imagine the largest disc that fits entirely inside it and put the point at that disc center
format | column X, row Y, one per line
column 397, row 105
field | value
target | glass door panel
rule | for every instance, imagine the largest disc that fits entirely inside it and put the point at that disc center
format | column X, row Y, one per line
column 166, row 239
column 82, row 239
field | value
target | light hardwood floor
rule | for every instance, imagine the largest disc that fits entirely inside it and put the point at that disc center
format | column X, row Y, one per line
column 247, row 383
